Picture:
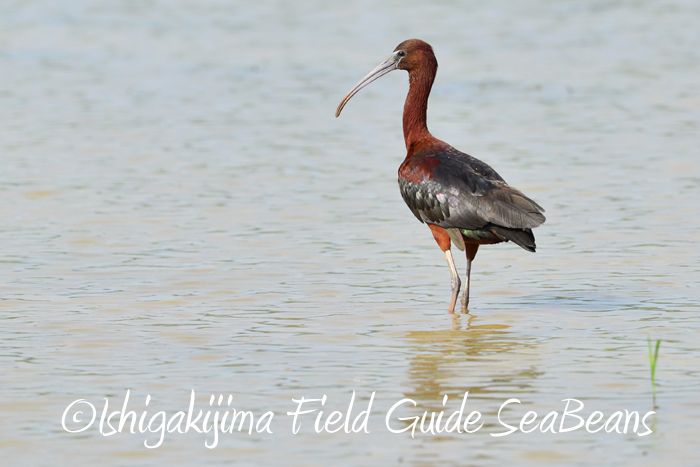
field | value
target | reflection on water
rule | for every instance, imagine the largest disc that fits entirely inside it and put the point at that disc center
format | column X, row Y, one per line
column 441, row 362
column 182, row 211
column 468, row 358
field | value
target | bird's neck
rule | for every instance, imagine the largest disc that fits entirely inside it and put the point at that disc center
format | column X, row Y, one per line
column 415, row 127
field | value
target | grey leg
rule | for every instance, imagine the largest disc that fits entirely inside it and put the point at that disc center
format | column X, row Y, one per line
column 465, row 294
column 456, row 283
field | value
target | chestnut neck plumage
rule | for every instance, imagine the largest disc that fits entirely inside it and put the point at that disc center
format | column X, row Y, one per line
column 415, row 127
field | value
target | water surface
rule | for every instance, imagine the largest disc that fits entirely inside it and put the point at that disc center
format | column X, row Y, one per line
column 182, row 211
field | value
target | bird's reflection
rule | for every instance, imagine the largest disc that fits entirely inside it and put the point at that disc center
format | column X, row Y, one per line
column 487, row 360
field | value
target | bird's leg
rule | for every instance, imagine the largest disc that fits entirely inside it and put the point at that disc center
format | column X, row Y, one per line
column 471, row 250
column 443, row 240
column 465, row 294
column 456, row 283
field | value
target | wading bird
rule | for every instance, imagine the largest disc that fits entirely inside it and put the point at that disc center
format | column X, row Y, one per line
column 463, row 200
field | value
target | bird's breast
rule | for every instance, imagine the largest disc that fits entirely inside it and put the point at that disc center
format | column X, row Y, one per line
column 418, row 169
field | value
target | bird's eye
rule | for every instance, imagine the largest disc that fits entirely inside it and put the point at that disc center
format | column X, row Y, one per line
column 401, row 53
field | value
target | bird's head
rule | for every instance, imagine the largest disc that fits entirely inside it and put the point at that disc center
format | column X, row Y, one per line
column 413, row 53
column 410, row 55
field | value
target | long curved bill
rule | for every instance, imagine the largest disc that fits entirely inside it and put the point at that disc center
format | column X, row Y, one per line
column 383, row 68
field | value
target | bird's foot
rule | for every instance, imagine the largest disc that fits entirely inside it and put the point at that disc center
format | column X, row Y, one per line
column 465, row 303
column 453, row 301
column 456, row 283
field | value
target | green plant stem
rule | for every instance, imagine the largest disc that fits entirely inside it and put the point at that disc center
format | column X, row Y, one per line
column 653, row 357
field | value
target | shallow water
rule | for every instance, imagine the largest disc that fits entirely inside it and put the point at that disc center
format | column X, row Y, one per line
column 182, row 212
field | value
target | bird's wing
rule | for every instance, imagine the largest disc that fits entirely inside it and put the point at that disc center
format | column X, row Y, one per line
column 459, row 191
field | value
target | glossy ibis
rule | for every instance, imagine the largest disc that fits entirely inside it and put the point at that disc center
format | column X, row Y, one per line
column 462, row 199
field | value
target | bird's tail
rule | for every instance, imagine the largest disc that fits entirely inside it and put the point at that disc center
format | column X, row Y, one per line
column 521, row 237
